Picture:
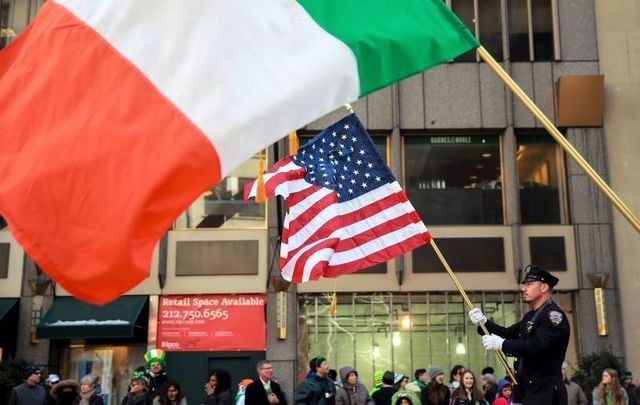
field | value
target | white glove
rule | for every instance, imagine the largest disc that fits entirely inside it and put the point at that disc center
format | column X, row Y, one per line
column 477, row 316
column 492, row 342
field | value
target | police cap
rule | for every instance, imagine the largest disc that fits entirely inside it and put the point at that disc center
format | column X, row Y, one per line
column 535, row 273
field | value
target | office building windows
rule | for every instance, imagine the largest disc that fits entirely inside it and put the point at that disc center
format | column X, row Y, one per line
column 532, row 30
column 540, row 175
column 454, row 180
column 223, row 206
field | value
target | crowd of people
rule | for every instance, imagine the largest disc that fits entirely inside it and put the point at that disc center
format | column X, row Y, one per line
column 151, row 385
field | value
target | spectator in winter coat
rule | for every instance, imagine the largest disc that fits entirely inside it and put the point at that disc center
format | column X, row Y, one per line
column 575, row 395
column 436, row 392
column 317, row 388
column 385, row 393
column 170, row 394
column 352, row 391
column 65, row 392
column 88, row 395
column 265, row 390
column 137, row 394
column 402, row 391
column 455, row 377
column 30, row 392
column 156, row 361
column 218, row 388
column 489, row 387
column 468, row 392
column 609, row 391
column 420, row 381
column 504, row 393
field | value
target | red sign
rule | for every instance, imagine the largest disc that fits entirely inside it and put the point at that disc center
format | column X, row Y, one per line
column 212, row 323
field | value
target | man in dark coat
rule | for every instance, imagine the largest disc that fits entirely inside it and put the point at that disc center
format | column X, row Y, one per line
column 317, row 388
column 539, row 341
column 264, row 390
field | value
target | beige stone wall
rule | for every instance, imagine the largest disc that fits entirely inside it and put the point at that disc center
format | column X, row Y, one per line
column 618, row 25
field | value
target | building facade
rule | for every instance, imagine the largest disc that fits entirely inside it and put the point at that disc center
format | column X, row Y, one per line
column 495, row 190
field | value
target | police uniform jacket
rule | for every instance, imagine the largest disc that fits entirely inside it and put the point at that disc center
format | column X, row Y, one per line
column 540, row 343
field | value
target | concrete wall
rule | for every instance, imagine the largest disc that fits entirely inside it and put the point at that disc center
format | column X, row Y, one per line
column 618, row 32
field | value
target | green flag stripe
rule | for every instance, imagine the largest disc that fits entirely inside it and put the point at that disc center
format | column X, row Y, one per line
column 393, row 39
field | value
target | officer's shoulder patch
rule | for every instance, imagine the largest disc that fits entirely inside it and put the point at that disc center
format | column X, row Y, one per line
column 555, row 317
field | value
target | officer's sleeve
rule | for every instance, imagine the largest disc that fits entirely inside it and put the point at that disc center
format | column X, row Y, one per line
column 508, row 333
column 545, row 337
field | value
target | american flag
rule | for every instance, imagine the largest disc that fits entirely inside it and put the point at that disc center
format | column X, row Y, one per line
column 344, row 209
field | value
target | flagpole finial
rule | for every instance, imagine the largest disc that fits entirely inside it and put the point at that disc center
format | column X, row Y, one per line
column 349, row 108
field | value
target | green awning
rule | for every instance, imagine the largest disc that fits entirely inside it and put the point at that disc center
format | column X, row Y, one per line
column 5, row 306
column 69, row 318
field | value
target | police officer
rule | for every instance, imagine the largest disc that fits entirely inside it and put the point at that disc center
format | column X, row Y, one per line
column 539, row 341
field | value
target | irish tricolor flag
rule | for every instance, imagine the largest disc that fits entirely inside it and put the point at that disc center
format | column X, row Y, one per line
column 118, row 114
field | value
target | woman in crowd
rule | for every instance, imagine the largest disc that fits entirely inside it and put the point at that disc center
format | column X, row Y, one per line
column 436, row 392
column 65, row 392
column 468, row 392
column 218, row 388
column 609, row 391
column 88, row 394
column 352, row 391
column 170, row 394
column 455, row 377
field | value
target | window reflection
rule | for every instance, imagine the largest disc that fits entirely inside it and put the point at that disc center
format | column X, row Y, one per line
column 223, row 206
column 14, row 17
column 454, row 179
column 539, row 178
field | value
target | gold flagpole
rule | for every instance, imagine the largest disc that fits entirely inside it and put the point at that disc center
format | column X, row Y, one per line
column 553, row 131
column 455, row 280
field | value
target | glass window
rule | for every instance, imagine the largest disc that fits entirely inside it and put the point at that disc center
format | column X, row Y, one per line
column 518, row 31
column 531, row 23
column 486, row 14
column 490, row 27
column 454, row 180
column 114, row 365
column 464, row 9
column 5, row 248
column 539, row 168
column 402, row 332
column 14, row 16
column 223, row 206
column 542, row 22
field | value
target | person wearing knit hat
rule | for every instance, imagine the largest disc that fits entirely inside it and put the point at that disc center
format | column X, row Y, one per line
column 30, row 391
column 377, row 381
column 436, row 392
column 401, row 381
column 156, row 360
column 387, row 389
column 504, row 393
column 317, row 388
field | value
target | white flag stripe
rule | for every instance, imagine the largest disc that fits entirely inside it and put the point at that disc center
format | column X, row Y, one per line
column 172, row 48
column 300, row 238
column 316, row 257
column 375, row 245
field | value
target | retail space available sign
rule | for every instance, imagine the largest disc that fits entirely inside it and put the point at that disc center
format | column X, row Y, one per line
column 212, row 323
